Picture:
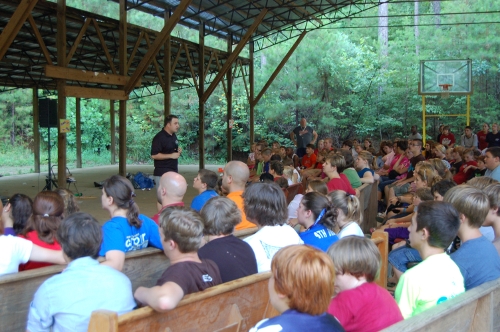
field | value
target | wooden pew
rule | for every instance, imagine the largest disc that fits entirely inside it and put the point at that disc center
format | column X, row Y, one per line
column 474, row 310
column 234, row 306
column 143, row 267
column 292, row 191
column 369, row 205
column 381, row 240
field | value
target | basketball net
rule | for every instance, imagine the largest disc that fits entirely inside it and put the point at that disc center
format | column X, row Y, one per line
column 445, row 90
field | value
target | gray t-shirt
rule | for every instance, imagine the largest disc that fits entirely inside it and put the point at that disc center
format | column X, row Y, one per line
column 416, row 136
column 303, row 136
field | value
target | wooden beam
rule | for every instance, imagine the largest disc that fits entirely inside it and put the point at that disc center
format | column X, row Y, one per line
column 252, row 107
column 112, row 129
column 201, row 87
column 78, row 40
column 104, row 46
column 234, row 55
column 39, row 38
column 136, row 47
column 86, row 76
column 243, row 78
column 167, row 97
column 80, row 92
column 190, row 64
column 122, row 110
column 158, row 43
column 155, row 62
column 217, row 61
column 61, row 93
column 78, row 121
column 278, row 69
column 15, row 23
column 36, row 131
column 229, row 102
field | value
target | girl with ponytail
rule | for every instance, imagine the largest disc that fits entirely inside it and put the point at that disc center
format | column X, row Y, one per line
column 127, row 230
column 311, row 215
column 345, row 212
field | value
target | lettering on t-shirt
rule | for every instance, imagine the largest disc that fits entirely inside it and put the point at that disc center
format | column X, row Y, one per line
column 136, row 242
column 206, row 278
column 323, row 233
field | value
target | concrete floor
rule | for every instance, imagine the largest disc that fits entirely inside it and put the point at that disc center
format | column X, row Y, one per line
column 90, row 201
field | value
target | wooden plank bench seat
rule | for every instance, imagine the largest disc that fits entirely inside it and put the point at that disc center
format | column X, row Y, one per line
column 233, row 306
column 475, row 310
column 143, row 267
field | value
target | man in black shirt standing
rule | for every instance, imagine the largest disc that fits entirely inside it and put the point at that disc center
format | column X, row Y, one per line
column 165, row 148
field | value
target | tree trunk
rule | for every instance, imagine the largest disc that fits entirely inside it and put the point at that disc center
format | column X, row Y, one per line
column 417, row 32
column 436, row 8
column 383, row 31
column 13, row 130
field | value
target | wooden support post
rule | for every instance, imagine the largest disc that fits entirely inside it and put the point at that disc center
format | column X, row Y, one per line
column 15, row 23
column 61, row 95
column 36, row 131
column 229, row 101
column 159, row 41
column 201, row 88
column 234, row 55
column 167, row 63
column 278, row 69
column 78, row 133
column 122, row 115
column 112, row 129
column 252, row 87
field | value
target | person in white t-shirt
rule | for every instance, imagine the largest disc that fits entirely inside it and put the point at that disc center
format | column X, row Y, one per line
column 348, row 213
column 265, row 206
column 16, row 250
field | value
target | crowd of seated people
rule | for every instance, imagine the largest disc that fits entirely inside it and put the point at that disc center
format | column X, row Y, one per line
column 439, row 249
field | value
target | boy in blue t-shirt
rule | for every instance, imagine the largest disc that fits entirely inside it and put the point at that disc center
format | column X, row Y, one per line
column 477, row 257
column 301, row 308
column 205, row 182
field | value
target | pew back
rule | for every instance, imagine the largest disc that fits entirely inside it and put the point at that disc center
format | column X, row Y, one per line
column 369, row 205
column 234, row 306
column 143, row 267
column 474, row 310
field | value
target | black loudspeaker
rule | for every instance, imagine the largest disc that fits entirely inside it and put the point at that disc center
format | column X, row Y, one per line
column 47, row 113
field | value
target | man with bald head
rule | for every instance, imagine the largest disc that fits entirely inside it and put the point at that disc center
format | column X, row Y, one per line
column 303, row 135
column 171, row 191
column 235, row 177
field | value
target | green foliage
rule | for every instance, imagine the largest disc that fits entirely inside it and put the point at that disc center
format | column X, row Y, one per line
column 337, row 79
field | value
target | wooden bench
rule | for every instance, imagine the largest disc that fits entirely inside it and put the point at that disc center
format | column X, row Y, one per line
column 143, row 267
column 474, row 310
column 292, row 191
column 381, row 240
column 234, row 306
column 369, row 205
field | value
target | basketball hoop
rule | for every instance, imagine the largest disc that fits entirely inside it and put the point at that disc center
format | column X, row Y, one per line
column 444, row 88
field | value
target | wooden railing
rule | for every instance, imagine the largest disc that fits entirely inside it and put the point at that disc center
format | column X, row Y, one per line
column 475, row 310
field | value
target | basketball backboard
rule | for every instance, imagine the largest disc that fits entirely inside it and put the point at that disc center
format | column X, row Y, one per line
column 451, row 77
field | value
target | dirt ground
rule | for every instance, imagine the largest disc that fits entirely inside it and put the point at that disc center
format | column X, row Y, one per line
column 90, row 201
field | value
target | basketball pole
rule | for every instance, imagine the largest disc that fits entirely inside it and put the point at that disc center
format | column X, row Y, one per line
column 423, row 121
column 468, row 110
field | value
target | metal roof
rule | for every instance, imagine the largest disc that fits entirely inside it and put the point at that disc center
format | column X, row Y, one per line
column 285, row 19
column 23, row 64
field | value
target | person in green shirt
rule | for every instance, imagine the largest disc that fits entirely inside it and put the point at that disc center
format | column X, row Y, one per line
column 437, row 278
